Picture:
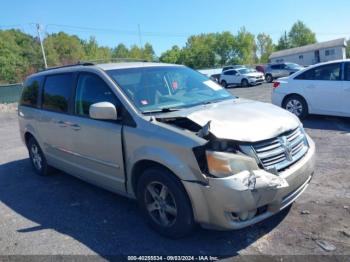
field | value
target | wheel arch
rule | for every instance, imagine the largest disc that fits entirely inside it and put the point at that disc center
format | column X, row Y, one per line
column 27, row 136
column 142, row 165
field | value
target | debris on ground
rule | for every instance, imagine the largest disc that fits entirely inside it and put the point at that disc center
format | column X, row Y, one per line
column 345, row 233
column 305, row 212
column 325, row 245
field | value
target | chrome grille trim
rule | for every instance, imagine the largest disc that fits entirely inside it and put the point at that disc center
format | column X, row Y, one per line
column 280, row 152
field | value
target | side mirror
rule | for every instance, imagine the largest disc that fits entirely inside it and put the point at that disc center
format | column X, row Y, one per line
column 103, row 111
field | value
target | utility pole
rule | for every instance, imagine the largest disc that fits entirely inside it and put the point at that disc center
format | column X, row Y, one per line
column 41, row 43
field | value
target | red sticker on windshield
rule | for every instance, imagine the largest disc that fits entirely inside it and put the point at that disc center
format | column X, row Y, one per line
column 174, row 84
column 144, row 102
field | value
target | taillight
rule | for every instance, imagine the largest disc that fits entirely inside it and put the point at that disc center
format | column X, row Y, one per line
column 276, row 84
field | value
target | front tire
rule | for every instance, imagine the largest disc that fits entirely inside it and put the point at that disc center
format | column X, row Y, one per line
column 164, row 203
column 37, row 158
column 296, row 105
column 244, row 83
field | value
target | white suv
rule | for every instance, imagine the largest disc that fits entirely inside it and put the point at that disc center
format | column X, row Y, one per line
column 321, row 89
column 241, row 76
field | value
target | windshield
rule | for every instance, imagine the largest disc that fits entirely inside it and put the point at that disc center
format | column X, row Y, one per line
column 246, row 70
column 293, row 66
column 153, row 89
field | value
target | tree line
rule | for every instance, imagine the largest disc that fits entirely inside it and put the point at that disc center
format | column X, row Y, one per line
column 20, row 53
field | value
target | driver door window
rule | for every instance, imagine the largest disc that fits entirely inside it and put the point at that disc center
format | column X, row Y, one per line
column 91, row 89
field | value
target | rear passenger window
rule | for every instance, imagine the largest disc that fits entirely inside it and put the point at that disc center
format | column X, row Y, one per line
column 347, row 72
column 275, row 67
column 57, row 91
column 30, row 92
column 330, row 72
column 92, row 89
column 230, row 72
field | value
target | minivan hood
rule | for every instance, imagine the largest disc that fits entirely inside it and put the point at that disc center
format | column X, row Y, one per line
column 240, row 119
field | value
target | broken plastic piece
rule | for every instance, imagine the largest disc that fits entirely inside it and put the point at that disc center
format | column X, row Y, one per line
column 204, row 131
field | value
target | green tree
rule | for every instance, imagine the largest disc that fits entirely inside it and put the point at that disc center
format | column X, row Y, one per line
column 62, row 49
column 19, row 56
column 90, row 49
column 283, row 42
column 148, row 52
column 172, row 55
column 348, row 49
column 121, row 51
column 135, row 52
column 199, row 51
column 224, row 47
column 301, row 35
column 245, row 47
column 264, row 47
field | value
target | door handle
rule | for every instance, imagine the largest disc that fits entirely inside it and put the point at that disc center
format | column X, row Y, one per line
column 75, row 127
column 61, row 123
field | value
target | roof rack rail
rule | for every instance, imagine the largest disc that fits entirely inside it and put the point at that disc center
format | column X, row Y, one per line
column 97, row 61
column 116, row 59
column 79, row 63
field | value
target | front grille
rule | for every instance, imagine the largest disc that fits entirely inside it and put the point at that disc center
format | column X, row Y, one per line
column 280, row 152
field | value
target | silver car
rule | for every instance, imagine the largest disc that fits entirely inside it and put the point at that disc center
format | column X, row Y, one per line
column 184, row 147
column 274, row 71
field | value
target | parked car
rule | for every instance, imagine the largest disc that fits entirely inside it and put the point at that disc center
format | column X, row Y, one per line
column 241, row 76
column 273, row 71
column 189, row 151
column 225, row 68
column 320, row 89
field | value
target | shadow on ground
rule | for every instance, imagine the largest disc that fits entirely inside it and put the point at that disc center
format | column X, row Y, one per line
column 328, row 123
column 107, row 223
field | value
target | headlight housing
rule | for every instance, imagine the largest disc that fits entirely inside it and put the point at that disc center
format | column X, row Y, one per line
column 221, row 164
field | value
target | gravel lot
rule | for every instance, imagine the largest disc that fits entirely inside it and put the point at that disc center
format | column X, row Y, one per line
column 63, row 215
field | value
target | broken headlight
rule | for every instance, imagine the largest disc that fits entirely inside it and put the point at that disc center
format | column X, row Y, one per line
column 222, row 164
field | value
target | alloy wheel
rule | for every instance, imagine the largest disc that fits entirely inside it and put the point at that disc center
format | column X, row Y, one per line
column 160, row 204
column 295, row 106
column 36, row 156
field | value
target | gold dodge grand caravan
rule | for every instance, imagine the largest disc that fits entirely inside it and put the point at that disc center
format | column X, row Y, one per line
column 184, row 147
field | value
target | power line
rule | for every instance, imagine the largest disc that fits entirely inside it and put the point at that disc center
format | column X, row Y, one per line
column 137, row 32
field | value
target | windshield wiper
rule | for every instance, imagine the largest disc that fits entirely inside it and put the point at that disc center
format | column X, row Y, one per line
column 215, row 101
column 161, row 110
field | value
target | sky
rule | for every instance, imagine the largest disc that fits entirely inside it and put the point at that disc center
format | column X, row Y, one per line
column 165, row 23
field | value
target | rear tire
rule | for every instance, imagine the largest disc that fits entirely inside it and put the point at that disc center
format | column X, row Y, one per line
column 296, row 105
column 269, row 78
column 37, row 158
column 224, row 84
column 164, row 203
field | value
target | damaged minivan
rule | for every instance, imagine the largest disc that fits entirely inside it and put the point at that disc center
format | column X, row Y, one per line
column 188, row 150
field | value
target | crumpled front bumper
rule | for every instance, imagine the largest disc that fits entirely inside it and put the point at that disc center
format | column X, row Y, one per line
column 220, row 203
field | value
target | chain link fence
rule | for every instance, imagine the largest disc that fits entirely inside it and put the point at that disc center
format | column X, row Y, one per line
column 10, row 93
